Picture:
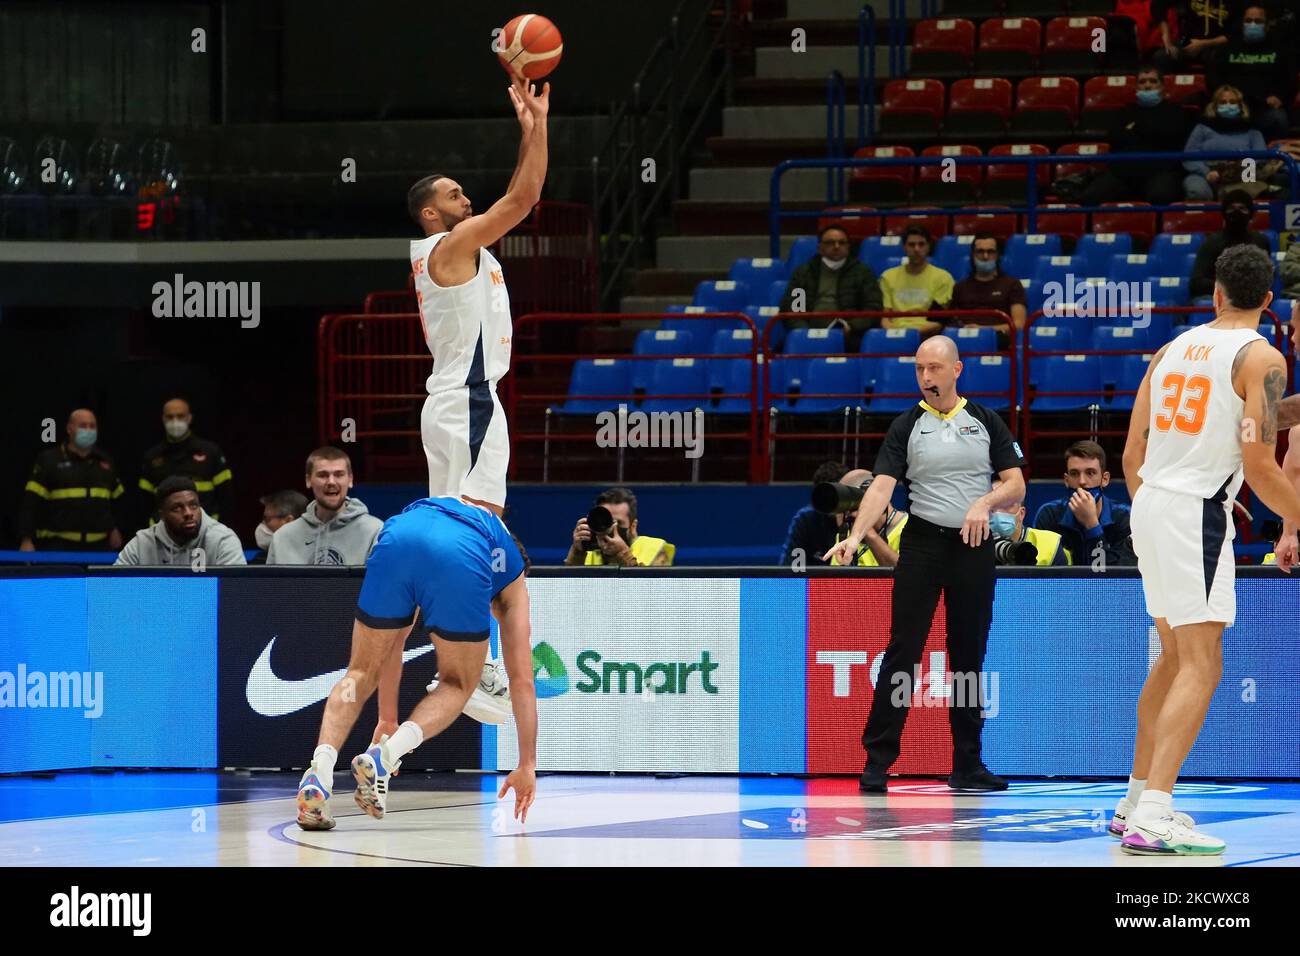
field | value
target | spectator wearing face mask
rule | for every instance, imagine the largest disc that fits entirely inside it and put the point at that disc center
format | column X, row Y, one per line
column 1151, row 123
column 812, row 533
column 1261, row 63
column 1225, row 127
column 1008, row 524
column 1237, row 210
column 182, row 452
column 277, row 511
column 987, row 286
column 1091, row 526
column 72, row 499
column 833, row 281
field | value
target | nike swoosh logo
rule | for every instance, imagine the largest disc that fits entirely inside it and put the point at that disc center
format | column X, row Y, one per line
column 272, row 696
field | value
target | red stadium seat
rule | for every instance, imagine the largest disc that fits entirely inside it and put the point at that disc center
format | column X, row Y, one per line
column 933, row 187
column 1261, row 221
column 911, row 110
column 1009, row 46
column 1018, row 172
column 978, row 109
column 1124, row 217
column 882, row 182
column 1068, row 45
column 1192, row 220
column 999, row 221
column 942, row 48
column 1046, row 107
column 857, row 227
column 1103, row 97
column 934, row 223
column 1054, row 222
column 1080, row 149
column 1184, row 87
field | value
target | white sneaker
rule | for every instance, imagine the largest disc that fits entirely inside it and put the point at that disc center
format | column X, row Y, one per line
column 313, row 802
column 1119, row 822
column 490, row 702
column 372, row 770
column 1165, row 836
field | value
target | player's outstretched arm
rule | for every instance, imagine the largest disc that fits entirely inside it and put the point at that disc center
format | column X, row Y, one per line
column 1262, row 379
column 869, row 509
column 1139, row 429
column 511, row 607
column 525, row 192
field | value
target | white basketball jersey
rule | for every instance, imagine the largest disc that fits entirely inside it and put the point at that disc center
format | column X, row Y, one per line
column 466, row 327
column 1194, row 446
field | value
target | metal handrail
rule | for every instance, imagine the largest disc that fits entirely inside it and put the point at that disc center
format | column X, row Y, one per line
column 834, row 137
column 867, row 75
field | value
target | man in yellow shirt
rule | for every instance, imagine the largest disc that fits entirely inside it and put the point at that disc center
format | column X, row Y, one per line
column 622, row 545
column 881, row 542
column 916, row 284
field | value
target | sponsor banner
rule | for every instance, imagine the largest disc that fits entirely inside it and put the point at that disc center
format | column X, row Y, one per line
column 634, row 675
column 284, row 644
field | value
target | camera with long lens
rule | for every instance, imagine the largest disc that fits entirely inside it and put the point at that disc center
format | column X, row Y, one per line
column 599, row 519
column 833, row 498
column 1020, row 554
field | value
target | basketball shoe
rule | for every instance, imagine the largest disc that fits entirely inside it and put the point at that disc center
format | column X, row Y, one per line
column 371, row 770
column 1165, row 836
column 1119, row 822
column 313, row 802
column 490, row 702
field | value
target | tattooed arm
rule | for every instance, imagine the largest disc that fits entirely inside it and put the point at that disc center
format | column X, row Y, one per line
column 1261, row 377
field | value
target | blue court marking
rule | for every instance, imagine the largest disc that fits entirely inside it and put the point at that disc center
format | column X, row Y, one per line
column 1264, row 859
column 856, row 822
column 80, row 794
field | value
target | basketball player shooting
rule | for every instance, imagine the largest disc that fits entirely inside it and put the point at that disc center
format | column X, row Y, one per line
column 465, row 315
column 1205, row 417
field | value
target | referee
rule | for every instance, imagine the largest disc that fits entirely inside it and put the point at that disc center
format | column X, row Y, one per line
column 946, row 450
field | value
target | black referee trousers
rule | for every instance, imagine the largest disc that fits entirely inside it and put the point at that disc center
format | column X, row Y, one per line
column 931, row 559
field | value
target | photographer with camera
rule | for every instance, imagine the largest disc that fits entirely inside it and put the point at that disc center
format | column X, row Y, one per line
column 946, row 449
column 810, row 532
column 608, row 535
column 1015, row 545
column 881, row 541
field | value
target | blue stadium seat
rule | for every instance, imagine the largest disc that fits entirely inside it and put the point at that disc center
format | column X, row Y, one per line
column 953, row 253
column 761, row 316
column 1109, row 337
column 1123, row 373
column 732, row 342
column 1095, row 250
column 596, row 377
column 1074, row 373
column 1055, row 268
column 814, row 341
column 676, row 309
column 722, row 295
column 1170, row 290
column 757, row 273
column 1282, row 309
column 676, row 376
column 838, row 375
column 700, row 330
column 987, row 373
column 729, row 379
column 804, row 248
column 882, row 252
column 891, row 341
column 1131, row 267
column 1170, row 249
column 775, row 293
column 784, row 376
column 1047, row 337
column 1178, row 330
column 894, row 375
column 1271, row 235
column 657, row 342
column 1023, row 249
column 974, row 338
column 1277, row 274
column 1033, row 295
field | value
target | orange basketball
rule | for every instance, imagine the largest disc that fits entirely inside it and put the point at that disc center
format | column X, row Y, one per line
column 530, row 45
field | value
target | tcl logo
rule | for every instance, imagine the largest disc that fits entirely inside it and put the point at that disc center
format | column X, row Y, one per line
column 937, row 685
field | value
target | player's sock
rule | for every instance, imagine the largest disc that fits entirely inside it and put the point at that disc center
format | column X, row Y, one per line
column 1152, row 805
column 405, row 739
column 323, row 759
column 1135, row 788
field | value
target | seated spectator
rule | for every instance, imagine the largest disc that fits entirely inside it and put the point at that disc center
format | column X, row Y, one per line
column 811, row 533
column 1260, row 62
column 880, row 543
column 833, row 281
column 183, row 528
column 1145, row 28
column 1202, row 27
column 1008, row 524
column 1225, row 126
column 334, row 529
column 916, row 284
column 277, row 511
column 1291, row 272
column 622, row 545
column 1090, row 524
column 988, row 287
column 182, row 452
column 73, row 498
column 1150, row 124
column 1237, row 210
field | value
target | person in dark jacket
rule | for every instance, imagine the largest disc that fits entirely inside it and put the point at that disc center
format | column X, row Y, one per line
column 811, row 533
column 1152, row 124
column 1203, row 27
column 834, row 281
column 184, row 453
column 1237, row 210
column 1259, row 61
column 1093, row 529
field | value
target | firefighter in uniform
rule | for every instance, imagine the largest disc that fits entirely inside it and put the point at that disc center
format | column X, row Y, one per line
column 72, row 499
column 183, row 453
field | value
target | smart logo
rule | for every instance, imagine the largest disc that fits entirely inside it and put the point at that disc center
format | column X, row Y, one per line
column 619, row 677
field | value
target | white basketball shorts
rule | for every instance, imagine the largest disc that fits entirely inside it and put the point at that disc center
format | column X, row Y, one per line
column 466, row 444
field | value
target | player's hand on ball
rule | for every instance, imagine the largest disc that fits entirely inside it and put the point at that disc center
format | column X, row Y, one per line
column 975, row 529
column 539, row 106
column 524, row 783
column 844, row 551
column 518, row 90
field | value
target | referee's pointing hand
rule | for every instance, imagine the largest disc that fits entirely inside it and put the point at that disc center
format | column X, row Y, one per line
column 845, row 551
column 975, row 529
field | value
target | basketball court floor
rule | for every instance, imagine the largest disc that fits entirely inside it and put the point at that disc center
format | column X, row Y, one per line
column 454, row 819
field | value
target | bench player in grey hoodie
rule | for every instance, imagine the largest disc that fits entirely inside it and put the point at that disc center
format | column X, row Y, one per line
column 183, row 528
column 335, row 529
